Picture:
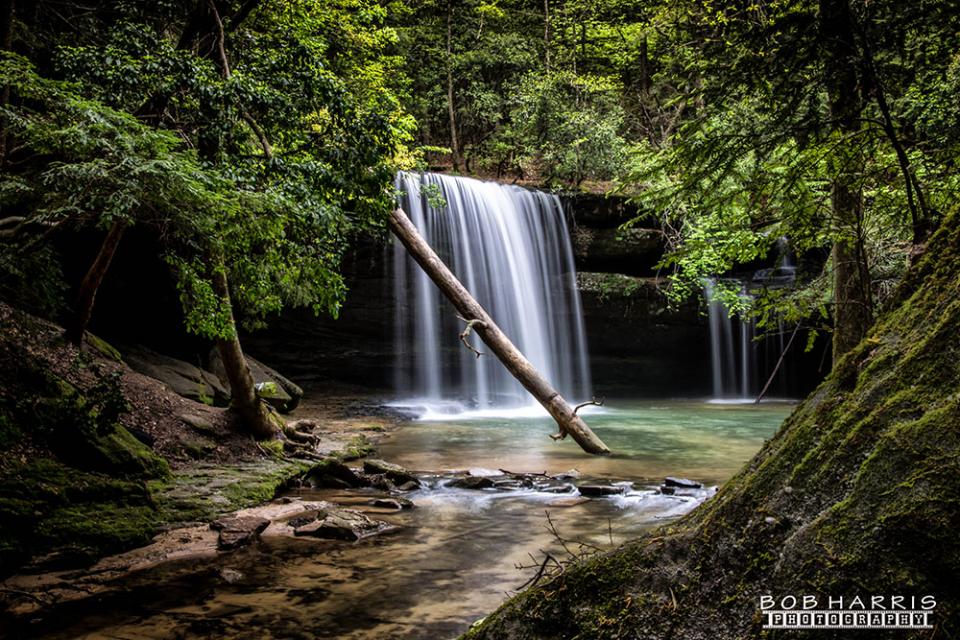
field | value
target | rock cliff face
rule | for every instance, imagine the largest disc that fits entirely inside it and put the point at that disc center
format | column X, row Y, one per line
column 856, row 495
column 639, row 346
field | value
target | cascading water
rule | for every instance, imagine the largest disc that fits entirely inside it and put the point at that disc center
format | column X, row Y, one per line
column 733, row 353
column 740, row 359
column 510, row 248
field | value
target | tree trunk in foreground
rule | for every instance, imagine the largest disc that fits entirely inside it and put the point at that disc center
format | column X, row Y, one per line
column 515, row 362
column 853, row 312
column 253, row 414
column 92, row 280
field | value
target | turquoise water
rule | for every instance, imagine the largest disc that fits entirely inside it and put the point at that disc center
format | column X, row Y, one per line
column 649, row 440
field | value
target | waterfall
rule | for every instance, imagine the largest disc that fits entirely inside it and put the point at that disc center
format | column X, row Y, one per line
column 510, row 248
column 733, row 350
column 741, row 359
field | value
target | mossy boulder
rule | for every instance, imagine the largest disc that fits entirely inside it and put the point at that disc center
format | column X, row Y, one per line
column 83, row 432
column 48, row 505
column 858, row 494
column 278, row 391
column 72, row 479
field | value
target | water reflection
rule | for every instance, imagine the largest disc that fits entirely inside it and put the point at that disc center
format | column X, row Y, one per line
column 455, row 558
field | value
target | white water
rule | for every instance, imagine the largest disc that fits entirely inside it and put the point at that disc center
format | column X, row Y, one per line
column 741, row 359
column 732, row 352
column 510, row 248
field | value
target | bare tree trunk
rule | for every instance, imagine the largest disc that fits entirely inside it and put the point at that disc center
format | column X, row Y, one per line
column 546, row 37
column 515, row 362
column 644, row 66
column 853, row 312
column 253, row 414
column 853, row 309
column 451, row 109
column 87, row 294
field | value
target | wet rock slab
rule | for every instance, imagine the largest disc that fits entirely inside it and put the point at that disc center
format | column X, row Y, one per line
column 393, row 503
column 238, row 532
column 513, row 481
column 682, row 483
column 473, row 482
column 343, row 524
column 393, row 472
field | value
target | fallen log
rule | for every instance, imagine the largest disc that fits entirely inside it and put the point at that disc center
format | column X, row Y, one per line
column 478, row 319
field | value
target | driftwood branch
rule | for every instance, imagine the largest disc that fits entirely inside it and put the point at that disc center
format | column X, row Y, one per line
column 547, row 557
column 511, row 357
column 466, row 333
column 592, row 401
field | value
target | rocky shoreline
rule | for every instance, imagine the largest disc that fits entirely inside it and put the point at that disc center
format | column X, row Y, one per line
column 376, row 487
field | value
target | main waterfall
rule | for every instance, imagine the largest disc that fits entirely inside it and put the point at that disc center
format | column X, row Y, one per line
column 510, row 248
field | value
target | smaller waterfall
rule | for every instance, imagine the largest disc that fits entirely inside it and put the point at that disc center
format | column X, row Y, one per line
column 742, row 358
column 733, row 350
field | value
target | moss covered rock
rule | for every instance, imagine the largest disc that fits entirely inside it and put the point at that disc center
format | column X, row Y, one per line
column 48, row 505
column 858, row 494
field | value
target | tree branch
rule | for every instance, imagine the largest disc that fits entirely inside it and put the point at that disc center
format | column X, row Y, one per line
column 592, row 401
column 466, row 333
column 221, row 49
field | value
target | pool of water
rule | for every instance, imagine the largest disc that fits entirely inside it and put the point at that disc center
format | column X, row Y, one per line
column 704, row 440
column 460, row 552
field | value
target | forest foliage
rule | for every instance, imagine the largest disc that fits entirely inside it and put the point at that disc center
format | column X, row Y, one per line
column 256, row 138
column 832, row 124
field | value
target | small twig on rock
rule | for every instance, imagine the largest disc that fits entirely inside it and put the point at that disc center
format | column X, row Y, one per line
column 592, row 401
column 543, row 566
column 466, row 333
column 552, row 528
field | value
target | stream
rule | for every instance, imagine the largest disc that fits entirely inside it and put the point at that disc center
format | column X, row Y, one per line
column 456, row 554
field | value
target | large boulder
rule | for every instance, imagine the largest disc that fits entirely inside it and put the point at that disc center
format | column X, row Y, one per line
column 181, row 377
column 343, row 524
column 281, row 393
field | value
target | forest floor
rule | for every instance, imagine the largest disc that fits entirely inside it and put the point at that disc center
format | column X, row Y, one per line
column 98, row 459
